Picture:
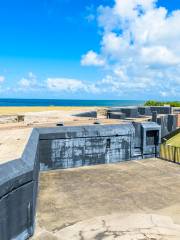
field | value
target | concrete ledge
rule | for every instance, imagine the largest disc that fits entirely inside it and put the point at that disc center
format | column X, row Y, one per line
column 18, row 193
column 90, row 114
column 83, row 131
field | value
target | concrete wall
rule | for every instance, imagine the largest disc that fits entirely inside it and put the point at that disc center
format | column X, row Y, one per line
column 116, row 115
column 178, row 120
column 89, row 145
column 91, row 114
column 143, row 148
column 161, row 109
column 129, row 112
column 145, row 111
column 168, row 123
column 135, row 112
column 18, row 193
column 69, row 147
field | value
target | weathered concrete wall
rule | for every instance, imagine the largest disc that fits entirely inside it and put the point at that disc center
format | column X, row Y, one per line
column 147, row 140
column 168, row 123
column 130, row 112
column 91, row 114
column 145, row 111
column 135, row 112
column 18, row 193
column 178, row 120
column 161, row 109
column 116, row 115
column 82, row 146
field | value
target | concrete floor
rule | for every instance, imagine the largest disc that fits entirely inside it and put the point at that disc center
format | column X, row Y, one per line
column 135, row 189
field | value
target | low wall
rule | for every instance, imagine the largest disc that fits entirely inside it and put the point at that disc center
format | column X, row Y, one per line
column 82, row 146
column 18, row 193
column 116, row 115
column 162, row 109
column 129, row 112
column 91, row 114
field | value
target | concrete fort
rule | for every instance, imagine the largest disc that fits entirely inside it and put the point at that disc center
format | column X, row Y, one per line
column 166, row 116
column 65, row 147
column 135, row 112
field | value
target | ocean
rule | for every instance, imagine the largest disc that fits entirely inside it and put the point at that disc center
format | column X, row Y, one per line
column 66, row 102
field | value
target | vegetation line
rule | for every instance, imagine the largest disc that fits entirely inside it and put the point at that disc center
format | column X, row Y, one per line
column 157, row 103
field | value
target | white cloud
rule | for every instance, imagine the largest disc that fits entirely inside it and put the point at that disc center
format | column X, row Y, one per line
column 70, row 85
column 64, row 84
column 2, row 79
column 92, row 58
column 159, row 55
column 140, row 42
column 130, row 9
column 25, row 83
column 29, row 82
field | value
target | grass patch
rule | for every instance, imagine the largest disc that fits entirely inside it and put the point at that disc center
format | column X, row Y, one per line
column 157, row 103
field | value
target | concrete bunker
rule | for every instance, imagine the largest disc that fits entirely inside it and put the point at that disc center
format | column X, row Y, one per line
column 52, row 148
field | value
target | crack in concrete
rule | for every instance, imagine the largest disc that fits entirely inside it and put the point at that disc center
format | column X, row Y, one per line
column 54, row 230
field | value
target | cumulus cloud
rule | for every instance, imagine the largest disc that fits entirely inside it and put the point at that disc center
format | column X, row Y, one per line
column 70, row 85
column 140, row 43
column 92, row 58
column 2, row 79
column 159, row 55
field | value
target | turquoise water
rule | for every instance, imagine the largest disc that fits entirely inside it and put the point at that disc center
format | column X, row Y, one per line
column 67, row 102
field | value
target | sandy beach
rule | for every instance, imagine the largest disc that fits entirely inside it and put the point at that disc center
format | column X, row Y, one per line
column 20, row 110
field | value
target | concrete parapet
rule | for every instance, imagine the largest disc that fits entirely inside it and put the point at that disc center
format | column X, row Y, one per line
column 162, row 109
column 91, row 114
column 116, row 115
column 87, row 145
column 130, row 112
column 145, row 111
column 18, row 193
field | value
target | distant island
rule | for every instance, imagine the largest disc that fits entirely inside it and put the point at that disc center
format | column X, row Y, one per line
column 157, row 103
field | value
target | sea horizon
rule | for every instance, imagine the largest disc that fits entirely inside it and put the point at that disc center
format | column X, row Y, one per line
column 18, row 102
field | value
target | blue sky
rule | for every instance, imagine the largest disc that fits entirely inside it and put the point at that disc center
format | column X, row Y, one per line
column 59, row 49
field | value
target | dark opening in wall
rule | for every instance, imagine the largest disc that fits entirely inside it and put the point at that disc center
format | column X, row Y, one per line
column 108, row 143
column 152, row 137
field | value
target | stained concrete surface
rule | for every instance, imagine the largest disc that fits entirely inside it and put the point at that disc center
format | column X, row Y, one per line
column 130, row 200
column 12, row 143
